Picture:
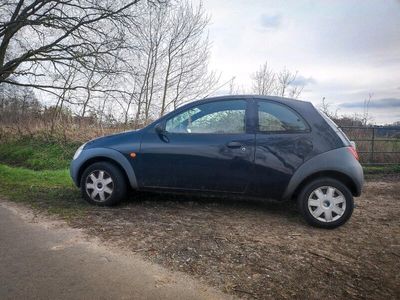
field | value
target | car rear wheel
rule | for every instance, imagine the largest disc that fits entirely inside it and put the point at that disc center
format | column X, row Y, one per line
column 103, row 184
column 326, row 203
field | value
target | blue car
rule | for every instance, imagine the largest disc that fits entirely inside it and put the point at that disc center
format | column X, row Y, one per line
column 247, row 146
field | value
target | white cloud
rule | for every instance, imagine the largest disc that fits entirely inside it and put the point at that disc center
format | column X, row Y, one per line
column 271, row 21
column 301, row 80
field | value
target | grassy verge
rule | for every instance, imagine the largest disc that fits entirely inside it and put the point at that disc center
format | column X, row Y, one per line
column 34, row 171
column 49, row 190
column 38, row 153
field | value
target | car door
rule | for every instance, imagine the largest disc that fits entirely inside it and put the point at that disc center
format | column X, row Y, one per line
column 283, row 143
column 205, row 147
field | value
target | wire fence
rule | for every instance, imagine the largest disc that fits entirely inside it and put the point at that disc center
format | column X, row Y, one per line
column 376, row 145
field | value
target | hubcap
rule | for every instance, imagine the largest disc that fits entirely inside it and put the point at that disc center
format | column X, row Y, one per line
column 327, row 204
column 99, row 185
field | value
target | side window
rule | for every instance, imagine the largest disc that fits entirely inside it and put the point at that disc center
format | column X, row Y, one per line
column 276, row 117
column 214, row 117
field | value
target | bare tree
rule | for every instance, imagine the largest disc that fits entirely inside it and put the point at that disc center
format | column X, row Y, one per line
column 283, row 83
column 285, row 79
column 264, row 80
column 170, row 64
column 143, row 66
column 366, row 118
column 46, row 35
column 325, row 106
column 186, row 54
column 64, row 95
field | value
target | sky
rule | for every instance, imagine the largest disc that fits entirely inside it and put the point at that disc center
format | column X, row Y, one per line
column 342, row 50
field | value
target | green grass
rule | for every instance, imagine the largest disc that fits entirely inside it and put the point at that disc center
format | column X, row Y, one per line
column 37, row 153
column 384, row 169
column 35, row 171
column 50, row 190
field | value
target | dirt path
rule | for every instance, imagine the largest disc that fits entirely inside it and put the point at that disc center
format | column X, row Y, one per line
column 262, row 249
column 48, row 260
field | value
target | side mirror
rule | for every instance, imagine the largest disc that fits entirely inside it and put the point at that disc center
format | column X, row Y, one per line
column 159, row 128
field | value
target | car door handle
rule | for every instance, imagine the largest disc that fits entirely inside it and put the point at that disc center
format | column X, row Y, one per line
column 234, row 145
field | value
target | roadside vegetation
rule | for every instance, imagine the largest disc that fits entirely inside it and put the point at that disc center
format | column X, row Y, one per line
column 34, row 171
column 38, row 153
column 50, row 191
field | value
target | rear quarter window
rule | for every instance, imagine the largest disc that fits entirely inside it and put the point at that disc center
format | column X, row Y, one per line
column 274, row 117
column 336, row 128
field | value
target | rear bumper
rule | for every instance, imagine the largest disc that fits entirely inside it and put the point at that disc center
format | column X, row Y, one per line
column 358, row 179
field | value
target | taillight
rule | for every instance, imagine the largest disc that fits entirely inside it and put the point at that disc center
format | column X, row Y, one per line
column 353, row 151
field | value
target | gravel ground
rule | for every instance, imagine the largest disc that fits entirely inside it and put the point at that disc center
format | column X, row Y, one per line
column 262, row 249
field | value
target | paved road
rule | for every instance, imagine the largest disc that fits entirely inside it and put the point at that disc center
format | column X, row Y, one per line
column 39, row 261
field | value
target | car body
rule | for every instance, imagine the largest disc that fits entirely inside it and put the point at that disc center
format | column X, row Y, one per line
column 245, row 145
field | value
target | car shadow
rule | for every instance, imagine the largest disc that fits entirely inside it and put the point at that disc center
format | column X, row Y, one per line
column 225, row 204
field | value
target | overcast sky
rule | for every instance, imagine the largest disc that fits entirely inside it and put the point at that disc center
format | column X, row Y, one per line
column 343, row 50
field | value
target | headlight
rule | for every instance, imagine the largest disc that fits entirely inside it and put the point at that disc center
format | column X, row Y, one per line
column 78, row 151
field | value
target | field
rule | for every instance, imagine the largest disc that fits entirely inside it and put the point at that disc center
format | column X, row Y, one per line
column 251, row 249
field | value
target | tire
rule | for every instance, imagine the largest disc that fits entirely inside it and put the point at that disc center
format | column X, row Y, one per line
column 325, row 203
column 103, row 184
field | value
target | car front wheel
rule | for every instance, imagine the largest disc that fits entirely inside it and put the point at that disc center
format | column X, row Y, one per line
column 326, row 203
column 103, row 184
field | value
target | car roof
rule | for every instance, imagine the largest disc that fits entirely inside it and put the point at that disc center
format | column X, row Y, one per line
column 250, row 96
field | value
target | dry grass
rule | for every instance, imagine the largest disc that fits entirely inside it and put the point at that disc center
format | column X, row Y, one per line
column 70, row 132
